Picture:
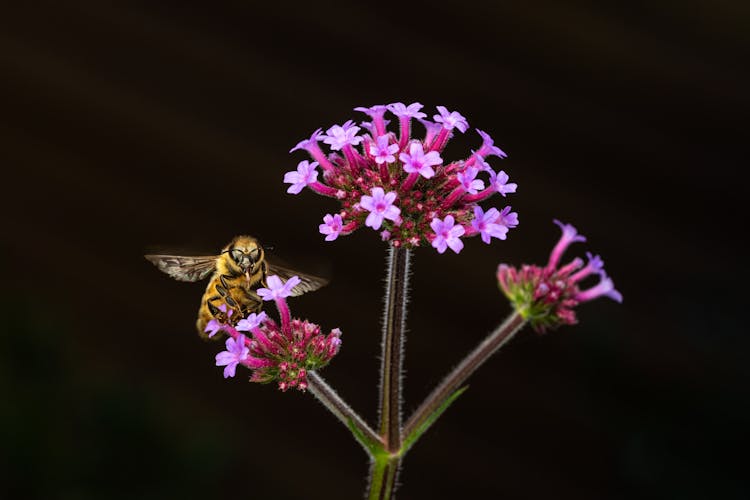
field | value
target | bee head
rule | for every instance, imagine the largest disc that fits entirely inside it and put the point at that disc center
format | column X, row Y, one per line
column 246, row 253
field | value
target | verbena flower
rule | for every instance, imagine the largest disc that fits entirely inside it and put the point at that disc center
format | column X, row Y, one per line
column 401, row 185
column 282, row 352
column 547, row 296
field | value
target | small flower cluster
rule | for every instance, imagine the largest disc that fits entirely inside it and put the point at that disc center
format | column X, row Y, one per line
column 402, row 186
column 548, row 296
column 283, row 352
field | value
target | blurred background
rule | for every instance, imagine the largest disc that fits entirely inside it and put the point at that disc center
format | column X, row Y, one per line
column 129, row 127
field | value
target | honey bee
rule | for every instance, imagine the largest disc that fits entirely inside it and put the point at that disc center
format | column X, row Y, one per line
column 239, row 270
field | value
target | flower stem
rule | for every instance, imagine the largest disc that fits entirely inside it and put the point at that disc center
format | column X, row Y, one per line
column 393, row 338
column 326, row 395
column 465, row 368
column 383, row 477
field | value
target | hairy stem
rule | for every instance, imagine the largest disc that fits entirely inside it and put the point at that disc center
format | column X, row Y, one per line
column 465, row 368
column 383, row 477
column 393, row 339
column 326, row 395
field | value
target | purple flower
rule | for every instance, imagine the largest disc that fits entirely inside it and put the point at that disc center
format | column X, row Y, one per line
column 375, row 112
column 447, row 234
column 451, row 120
column 277, row 289
column 486, row 224
column 236, row 353
column 380, row 205
column 468, row 180
column 305, row 144
column 339, row 136
column 253, row 320
column 305, row 175
column 507, row 218
column 548, row 296
column 488, row 146
column 400, row 181
column 570, row 235
column 331, row 227
column 500, row 182
column 605, row 288
column 410, row 111
column 382, row 151
column 416, row 161
column 212, row 327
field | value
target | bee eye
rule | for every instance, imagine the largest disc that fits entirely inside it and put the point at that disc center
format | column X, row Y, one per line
column 236, row 255
column 255, row 255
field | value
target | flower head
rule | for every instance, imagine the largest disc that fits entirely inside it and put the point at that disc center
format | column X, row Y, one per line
column 398, row 183
column 284, row 352
column 547, row 296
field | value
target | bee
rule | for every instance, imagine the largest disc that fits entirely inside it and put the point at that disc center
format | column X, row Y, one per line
column 237, row 272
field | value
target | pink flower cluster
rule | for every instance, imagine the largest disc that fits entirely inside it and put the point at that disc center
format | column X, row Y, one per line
column 283, row 352
column 547, row 296
column 401, row 185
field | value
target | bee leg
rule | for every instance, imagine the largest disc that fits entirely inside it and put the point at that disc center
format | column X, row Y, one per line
column 223, row 279
column 212, row 308
column 229, row 300
column 222, row 290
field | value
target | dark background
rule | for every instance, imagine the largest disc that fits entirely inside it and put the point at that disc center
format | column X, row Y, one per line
column 127, row 127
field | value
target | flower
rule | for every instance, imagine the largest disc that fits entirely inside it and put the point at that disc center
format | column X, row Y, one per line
column 507, row 218
column 416, row 161
column 236, row 353
column 304, row 176
column 500, row 183
column 284, row 352
column 447, row 234
column 339, row 136
column 213, row 327
column 278, row 289
column 468, row 180
column 411, row 111
column 398, row 182
column 382, row 151
column 252, row 321
column 488, row 146
column 331, row 227
column 380, row 206
column 547, row 296
column 451, row 119
column 485, row 223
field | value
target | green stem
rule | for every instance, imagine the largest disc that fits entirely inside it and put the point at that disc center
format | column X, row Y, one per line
column 326, row 395
column 393, row 339
column 383, row 477
column 385, row 466
column 460, row 373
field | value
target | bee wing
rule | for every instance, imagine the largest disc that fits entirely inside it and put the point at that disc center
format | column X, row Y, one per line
column 184, row 268
column 309, row 282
